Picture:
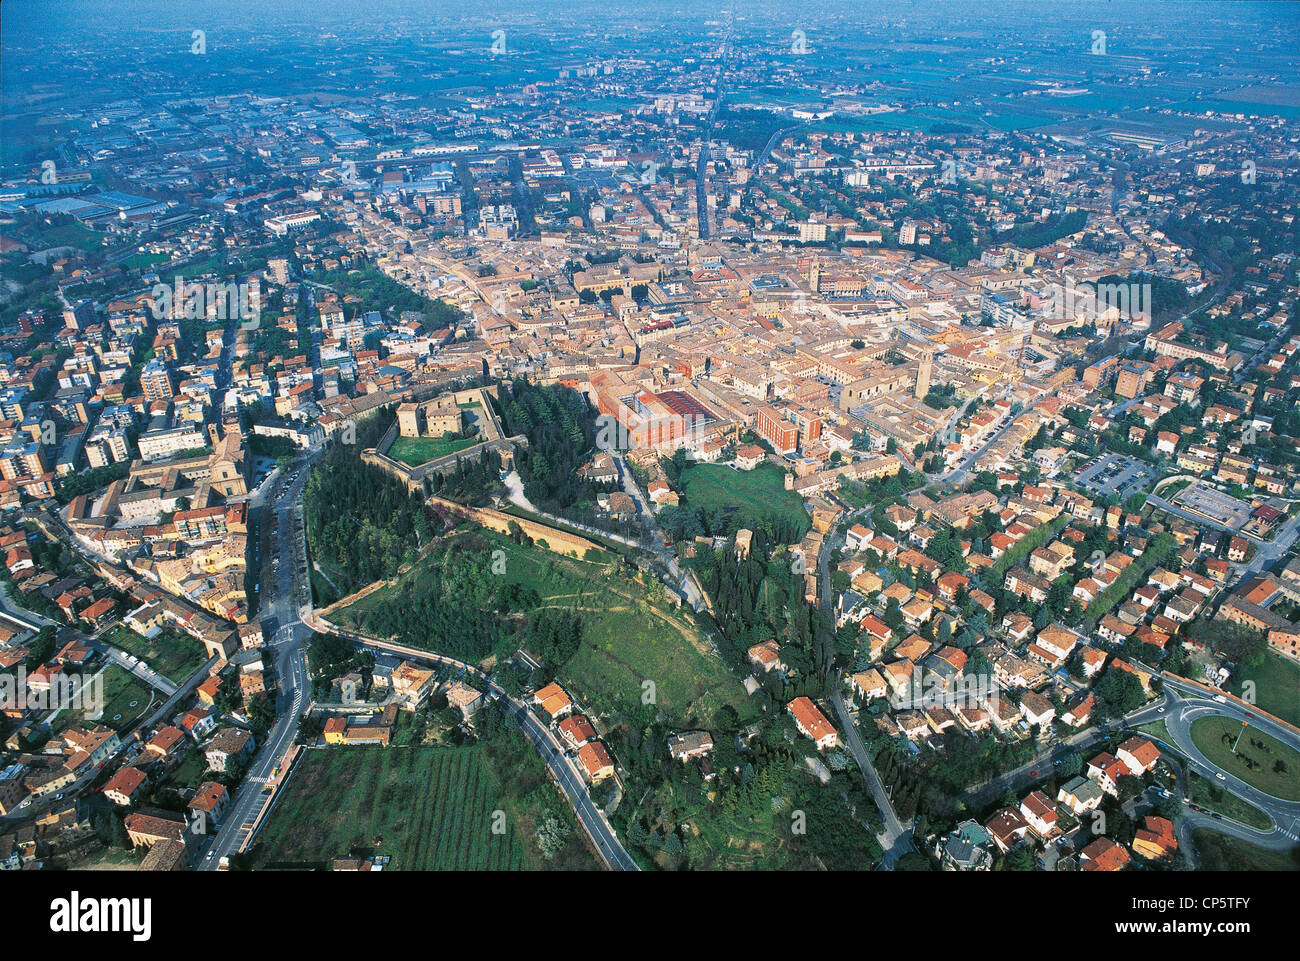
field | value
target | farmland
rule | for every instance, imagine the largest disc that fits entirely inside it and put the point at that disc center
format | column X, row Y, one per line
column 430, row 809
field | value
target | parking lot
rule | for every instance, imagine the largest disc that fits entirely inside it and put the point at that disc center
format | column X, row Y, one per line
column 1117, row 474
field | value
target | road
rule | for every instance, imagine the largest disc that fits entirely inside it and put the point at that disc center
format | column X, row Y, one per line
column 284, row 598
column 896, row 839
column 1180, row 706
column 593, row 822
column 1266, row 552
column 701, row 170
column 672, row 574
column 961, row 470
column 1190, row 703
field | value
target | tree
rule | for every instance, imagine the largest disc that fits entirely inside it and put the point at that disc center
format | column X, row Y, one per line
column 42, row 648
column 1118, row 692
column 1071, row 764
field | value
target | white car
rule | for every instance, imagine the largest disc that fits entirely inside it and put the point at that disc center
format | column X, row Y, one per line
column 1219, row 775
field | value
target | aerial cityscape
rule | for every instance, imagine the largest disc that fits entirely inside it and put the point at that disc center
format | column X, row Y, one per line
column 551, row 435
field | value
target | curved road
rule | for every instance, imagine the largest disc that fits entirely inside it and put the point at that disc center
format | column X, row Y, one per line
column 1185, row 709
column 598, row 829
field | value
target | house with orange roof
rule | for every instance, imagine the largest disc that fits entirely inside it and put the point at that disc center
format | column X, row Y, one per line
column 335, row 730
column 577, row 730
column 1139, row 755
column 209, row 690
column 812, row 723
column 1155, row 840
column 1104, row 854
column 596, row 762
column 877, row 630
column 766, row 656
column 199, row 722
column 210, row 801
column 1107, row 770
column 553, row 700
column 123, row 786
column 1039, row 813
column 167, row 742
column 1008, row 828
column 99, row 613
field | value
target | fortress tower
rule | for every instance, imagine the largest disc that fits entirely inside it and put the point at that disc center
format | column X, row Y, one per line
column 923, row 375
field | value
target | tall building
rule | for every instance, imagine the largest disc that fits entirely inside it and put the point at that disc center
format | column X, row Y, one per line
column 156, row 381
column 773, row 426
column 923, row 375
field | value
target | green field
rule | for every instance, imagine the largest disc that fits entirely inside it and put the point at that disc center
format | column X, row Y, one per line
column 1261, row 761
column 136, row 261
column 174, row 656
column 1156, row 729
column 62, row 235
column 1218, row 852
column 630, row 633
column 414, row 451
column 430, row 809
column 126, row 699
column 757, row 493
column 1277, row 686
column 1214, row 798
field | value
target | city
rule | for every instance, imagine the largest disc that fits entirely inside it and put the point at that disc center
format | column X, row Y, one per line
column 575, row 437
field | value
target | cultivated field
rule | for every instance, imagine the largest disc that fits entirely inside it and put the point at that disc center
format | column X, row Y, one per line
column 430, row 809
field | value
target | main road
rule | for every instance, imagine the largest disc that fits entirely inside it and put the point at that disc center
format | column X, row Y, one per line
column 283, row 597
